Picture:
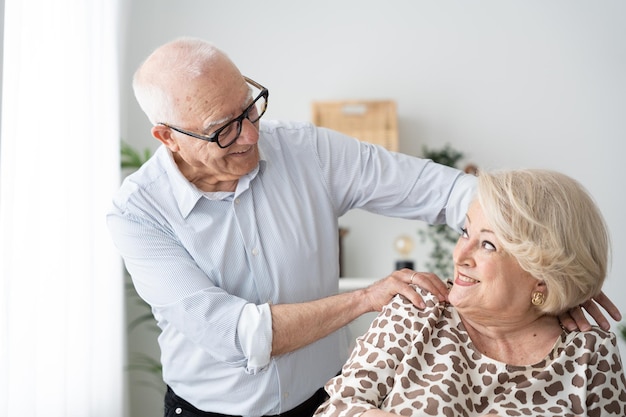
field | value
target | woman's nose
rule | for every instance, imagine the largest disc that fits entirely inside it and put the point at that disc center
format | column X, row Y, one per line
column 463, row 252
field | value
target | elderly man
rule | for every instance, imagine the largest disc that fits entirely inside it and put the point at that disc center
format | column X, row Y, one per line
column 230, row 233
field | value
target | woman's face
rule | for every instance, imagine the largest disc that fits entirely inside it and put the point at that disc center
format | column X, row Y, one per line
column 489, row 283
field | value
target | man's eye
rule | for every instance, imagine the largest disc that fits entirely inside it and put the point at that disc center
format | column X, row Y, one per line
column 228, row 129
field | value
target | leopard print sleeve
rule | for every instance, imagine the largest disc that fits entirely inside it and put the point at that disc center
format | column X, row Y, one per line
column 368, row 375
column 597, row 356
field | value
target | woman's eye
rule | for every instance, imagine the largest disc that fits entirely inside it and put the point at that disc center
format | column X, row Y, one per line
column 464, row 232
column 488, row 245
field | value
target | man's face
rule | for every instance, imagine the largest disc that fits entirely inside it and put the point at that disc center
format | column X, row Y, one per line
column 205, row 105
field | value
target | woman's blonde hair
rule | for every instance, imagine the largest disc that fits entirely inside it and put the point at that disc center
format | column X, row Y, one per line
column 552, row 226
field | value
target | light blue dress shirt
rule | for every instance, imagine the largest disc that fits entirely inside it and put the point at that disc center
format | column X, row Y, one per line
column 210, row 264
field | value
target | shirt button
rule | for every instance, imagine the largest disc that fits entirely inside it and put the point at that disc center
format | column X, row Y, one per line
column 178, row 410
column 237, row 201
column 255, row 251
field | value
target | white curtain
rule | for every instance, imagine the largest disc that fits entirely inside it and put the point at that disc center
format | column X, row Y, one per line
column 61, row 292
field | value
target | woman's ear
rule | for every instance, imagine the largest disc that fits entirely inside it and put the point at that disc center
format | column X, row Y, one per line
column 538, row 295
column 164, row 135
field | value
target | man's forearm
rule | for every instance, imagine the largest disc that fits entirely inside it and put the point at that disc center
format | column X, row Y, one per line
column 297, row 325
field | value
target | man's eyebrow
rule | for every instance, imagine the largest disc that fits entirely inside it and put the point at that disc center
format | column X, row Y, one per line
column 214, row 123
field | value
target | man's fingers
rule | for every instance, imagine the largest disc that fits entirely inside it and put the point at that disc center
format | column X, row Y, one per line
column 429, row 282
column 413, row 296
column 381, row 292
column 567, row 321
column 608, row 306
column 594, row 311
column 580, row 321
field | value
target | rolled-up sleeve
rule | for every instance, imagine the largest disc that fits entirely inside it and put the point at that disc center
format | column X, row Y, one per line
column 255, row 336
column 182, row 295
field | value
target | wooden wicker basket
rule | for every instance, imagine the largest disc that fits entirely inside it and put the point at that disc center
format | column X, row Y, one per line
column 368, row 120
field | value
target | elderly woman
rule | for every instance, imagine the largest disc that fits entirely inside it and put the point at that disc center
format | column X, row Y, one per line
column 534, row 245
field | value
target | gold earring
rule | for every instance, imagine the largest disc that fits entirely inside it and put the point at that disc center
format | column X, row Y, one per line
column 538, row 298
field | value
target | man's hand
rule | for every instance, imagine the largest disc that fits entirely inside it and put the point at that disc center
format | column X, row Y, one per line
column 326, row 315
column 399, row 282
column 575, row 318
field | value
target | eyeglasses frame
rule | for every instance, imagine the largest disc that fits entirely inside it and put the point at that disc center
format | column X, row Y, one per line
column 213, row 137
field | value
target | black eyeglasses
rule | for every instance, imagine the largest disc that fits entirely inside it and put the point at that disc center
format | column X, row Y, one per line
column 228, row 134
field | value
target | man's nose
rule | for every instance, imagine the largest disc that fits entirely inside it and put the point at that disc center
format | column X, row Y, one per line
column 249, row 133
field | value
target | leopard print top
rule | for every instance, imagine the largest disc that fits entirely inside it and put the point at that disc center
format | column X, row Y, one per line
column 415, row 362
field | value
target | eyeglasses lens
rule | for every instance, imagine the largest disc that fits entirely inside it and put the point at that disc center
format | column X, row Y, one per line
column 231, row 132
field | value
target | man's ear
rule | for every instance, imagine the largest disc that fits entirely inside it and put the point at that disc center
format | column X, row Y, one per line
column 164, row 135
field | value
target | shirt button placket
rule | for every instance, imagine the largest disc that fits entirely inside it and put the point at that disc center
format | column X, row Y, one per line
column 244, row 213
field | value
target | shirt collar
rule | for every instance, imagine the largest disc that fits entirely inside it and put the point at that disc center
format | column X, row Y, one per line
column 186, row 193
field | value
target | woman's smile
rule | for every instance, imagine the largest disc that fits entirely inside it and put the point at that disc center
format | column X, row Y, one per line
column 464, row 280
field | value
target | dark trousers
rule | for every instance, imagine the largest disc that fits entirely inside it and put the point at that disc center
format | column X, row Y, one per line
column 177, row 407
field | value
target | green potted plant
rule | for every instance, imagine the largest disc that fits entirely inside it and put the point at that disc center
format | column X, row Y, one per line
column 132, row 158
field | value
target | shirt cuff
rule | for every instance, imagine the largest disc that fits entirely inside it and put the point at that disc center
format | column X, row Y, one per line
column 460, row 198
column 255, row 336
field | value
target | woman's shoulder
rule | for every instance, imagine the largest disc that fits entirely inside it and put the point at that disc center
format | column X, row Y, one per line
column 595, row 341
column 433, row 306
column 595, row 333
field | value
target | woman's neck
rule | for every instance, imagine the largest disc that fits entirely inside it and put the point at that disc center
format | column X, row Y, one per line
column 520, row 344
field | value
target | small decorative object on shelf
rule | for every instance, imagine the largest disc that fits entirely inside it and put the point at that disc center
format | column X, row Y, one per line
column 404, row 245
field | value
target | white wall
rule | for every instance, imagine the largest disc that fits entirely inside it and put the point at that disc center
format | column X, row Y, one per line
column 534, row 83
